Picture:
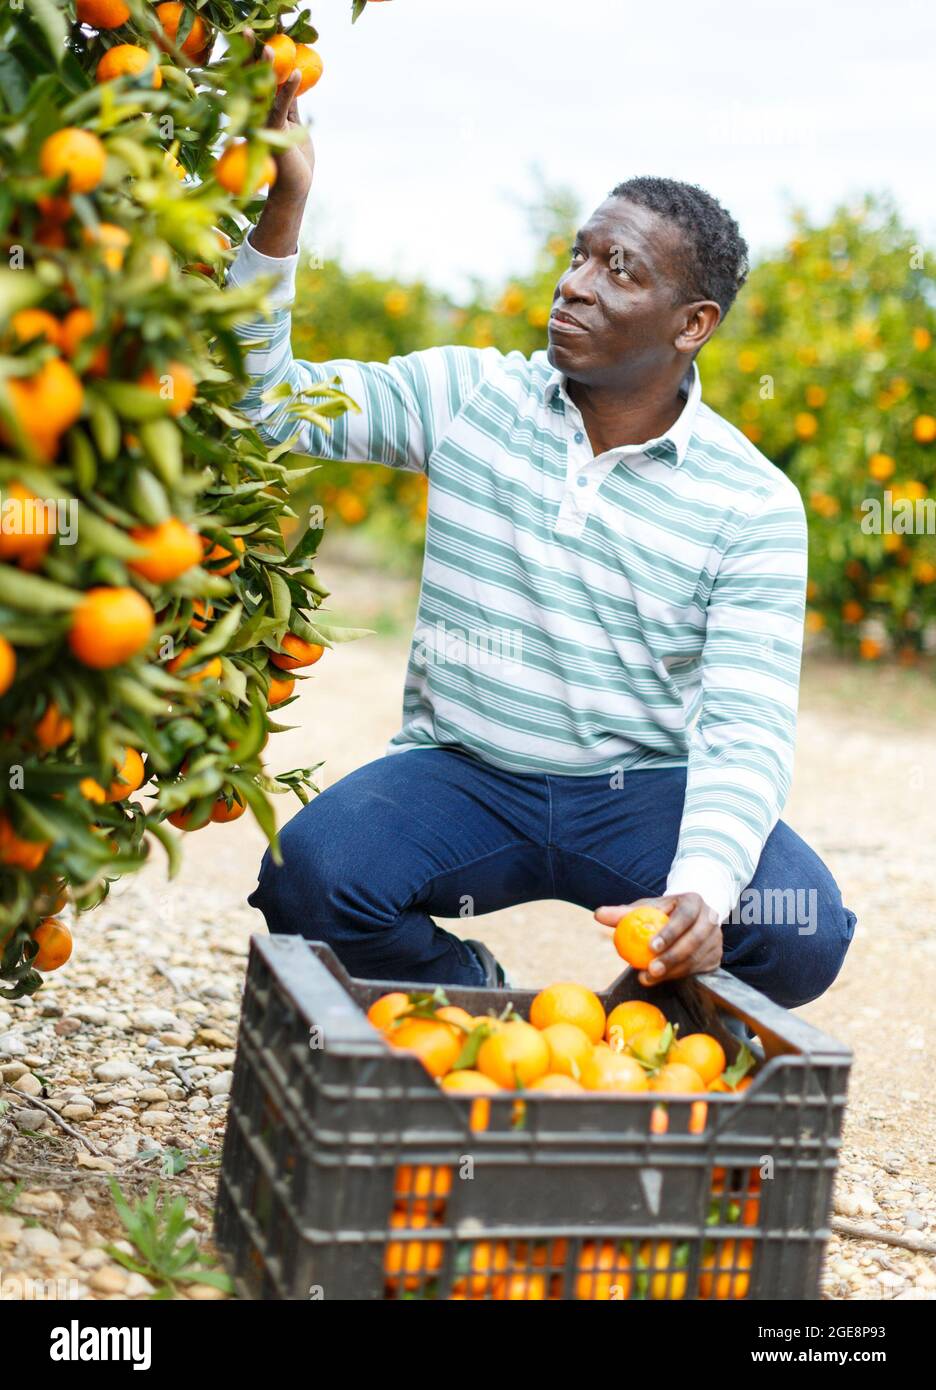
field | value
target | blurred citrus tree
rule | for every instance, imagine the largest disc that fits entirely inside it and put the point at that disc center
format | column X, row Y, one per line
column 151, row 613
column 825, row 362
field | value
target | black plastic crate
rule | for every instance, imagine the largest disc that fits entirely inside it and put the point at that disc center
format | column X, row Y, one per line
column 348, row 1173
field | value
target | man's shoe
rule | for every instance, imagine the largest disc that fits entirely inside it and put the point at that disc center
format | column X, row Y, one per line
column 494, row 976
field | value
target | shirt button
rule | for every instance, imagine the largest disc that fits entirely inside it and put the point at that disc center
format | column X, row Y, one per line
column 583, row 481
column 579, row 437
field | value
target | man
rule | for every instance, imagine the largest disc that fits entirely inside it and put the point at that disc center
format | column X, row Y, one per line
column 647, row 565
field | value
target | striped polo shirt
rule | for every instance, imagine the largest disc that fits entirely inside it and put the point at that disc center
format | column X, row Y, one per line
column 578, row 615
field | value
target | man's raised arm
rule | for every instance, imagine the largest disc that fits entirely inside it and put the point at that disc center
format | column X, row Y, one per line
column 404, row 405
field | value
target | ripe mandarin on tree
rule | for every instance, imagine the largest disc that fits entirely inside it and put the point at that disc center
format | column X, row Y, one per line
column 112, row 242
column 29, row 324
column 309, row 65
column 128, row 60
column 216, row 553
column 130, row 777
column 102, row 14
column 170, row 15
column 76, row 153
column 7, row 665
column 174, row 384
column 55, row 944
column 54, row 728
column 18, row 852
column 231, row 170
column 109, row 626
column 223, row 810
column 296, row 653
column 284, row 56
column 171, row 549
column 279, row 691
column 34, row 528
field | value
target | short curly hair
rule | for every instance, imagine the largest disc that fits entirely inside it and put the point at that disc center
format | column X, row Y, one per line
column 715, row 263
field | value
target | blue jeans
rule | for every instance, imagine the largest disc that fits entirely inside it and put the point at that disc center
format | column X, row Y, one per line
column 437, row 831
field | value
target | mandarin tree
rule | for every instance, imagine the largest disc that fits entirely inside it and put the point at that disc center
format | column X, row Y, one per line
column 145, row 581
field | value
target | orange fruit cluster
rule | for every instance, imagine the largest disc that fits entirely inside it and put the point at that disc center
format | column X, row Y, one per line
column 567, row 1045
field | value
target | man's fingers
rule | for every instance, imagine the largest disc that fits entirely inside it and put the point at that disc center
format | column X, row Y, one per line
column 610, row 916
column 699, row 948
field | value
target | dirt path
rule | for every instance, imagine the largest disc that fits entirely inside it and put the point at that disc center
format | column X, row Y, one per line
column 157, row 973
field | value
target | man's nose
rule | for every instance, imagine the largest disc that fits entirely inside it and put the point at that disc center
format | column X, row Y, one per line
column 576, row 285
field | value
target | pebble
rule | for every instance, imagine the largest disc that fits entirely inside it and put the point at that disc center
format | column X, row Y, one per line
column 914, row 1220
column 205, row 1293
column 31, row 1121
column 28, row 1084
column 116, row 1070
column 39, row 1203
column 90, row 1013
column 156, row 1117
column 65, row 1027
column 78, row 1112
column 221, row 1085
column 11, row 1045
column 36, row 1241
column 138, row 1286
column 198, row 1103
column 92, row 1259
column 10, row 1228
column 151, row 1094
column 214, row 1059
column 154, row 1020
column 80, row 1209
column 12, row 1071
column 109, row 1279
column 175, row 1039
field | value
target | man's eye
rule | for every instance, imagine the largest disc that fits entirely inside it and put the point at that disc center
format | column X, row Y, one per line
column 577, row 254
column 618, row 269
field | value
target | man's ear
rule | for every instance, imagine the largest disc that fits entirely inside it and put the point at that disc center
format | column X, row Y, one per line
column 699, row 323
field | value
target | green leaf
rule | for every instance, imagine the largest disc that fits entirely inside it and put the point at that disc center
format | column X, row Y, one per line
column 32, row 593
column 162, row 444
column 282, row 600
column 52, row 23
column 105, row 427
column 133, row 402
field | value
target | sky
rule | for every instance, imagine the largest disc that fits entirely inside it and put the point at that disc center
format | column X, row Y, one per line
column 432, row 116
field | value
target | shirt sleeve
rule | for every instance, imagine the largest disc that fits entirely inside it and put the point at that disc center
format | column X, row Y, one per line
column 741, row 749
column 405, row 405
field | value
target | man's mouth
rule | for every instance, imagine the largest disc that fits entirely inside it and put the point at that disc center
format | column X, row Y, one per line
column 561, row 322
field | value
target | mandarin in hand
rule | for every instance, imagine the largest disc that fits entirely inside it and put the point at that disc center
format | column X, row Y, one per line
column 635, row 931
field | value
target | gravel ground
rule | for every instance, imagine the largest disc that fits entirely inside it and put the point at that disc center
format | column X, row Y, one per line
column 131, row 1044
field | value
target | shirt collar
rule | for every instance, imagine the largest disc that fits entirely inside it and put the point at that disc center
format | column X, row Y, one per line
column 670, row 447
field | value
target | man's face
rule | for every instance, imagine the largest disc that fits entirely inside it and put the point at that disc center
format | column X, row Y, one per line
column 616, row 313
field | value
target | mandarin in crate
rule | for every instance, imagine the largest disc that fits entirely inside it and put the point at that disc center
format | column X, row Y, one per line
column 515, row 1055
column 609, row 1071
column 569, row 1003
column 626, row 1020
column 704, row 1054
